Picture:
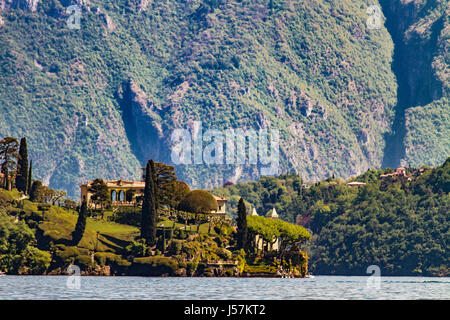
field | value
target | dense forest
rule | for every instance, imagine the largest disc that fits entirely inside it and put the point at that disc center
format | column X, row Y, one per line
column 397, row 222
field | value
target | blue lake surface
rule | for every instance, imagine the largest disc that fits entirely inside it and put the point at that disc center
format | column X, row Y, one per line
column 321, row 287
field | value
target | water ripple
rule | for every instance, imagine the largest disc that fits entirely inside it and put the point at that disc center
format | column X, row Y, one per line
column 321, row 287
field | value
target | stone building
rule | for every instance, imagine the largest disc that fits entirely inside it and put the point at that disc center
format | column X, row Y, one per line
column 121, row 192
column 127, row 193
column 221, row 204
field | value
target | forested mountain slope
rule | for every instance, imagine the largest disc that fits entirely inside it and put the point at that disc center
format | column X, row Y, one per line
column 399, row 223
column 100, row 100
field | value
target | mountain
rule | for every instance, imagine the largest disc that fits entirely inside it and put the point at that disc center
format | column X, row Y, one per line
column 101, row 99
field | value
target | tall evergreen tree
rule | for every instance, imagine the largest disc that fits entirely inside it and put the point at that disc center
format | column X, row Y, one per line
column 164, row 181
column 8, row 158
column 148, row 222
column 30, row 177
column 22, row 167
column 7, row 185
column 78, row 233
column 242, row 225
column 36, row 191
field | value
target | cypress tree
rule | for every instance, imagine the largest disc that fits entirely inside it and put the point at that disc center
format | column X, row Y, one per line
column 8, row 155
column 35, row 193
column 153, row 206
column 6, row 179
column 148, row 222
column 22, row 167
column 242, row 225
column 145, row 204
column 77, row 234
column 30, row 177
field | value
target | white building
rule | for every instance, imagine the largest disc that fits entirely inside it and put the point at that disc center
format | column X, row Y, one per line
column 272, row 214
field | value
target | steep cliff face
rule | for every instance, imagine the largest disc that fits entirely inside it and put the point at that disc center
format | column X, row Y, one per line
column 418, row 29
column 142, row 124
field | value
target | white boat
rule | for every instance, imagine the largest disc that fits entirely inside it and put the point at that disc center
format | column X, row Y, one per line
column 2, row 274
column 310, row 276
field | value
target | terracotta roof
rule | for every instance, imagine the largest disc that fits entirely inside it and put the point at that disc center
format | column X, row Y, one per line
column 219, row 198
column 121, row 183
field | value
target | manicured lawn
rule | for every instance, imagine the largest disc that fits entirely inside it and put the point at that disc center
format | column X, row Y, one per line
column 60, row 223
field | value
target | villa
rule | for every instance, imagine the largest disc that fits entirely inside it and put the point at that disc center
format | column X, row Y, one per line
column 401, row 172
column 122, row 192
column 129, row 193
column 221, row 203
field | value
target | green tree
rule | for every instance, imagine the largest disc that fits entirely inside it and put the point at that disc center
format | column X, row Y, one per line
column 8, row 159
column 36, row 193
column 178, row 190
column 17, row 251
column 22, row 167
column 80, row 227
column 100, row 193
column 148, row 222
column 242, row 225
column 198, row 201
column 164, row 177
column 30, row 177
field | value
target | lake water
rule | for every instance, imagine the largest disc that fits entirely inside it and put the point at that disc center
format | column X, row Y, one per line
column 321, row 287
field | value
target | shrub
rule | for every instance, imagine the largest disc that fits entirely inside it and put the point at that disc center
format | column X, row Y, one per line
column 191, row 267
column 181, row 234
column 84, row 261
column 191, row 248
column 66, row 253
column 111, row 259
column 259, row 269
column 137, row 248
column 224, row 254
column 229, row 272
column 38, row 261
column 175, row 247
column 127, row 215
column 154, row 266
column 198, row 201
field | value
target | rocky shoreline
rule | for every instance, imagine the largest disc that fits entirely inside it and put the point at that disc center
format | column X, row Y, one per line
column 109, row 271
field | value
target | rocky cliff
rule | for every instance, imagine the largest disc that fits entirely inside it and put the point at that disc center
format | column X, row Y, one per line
column 420, row 32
